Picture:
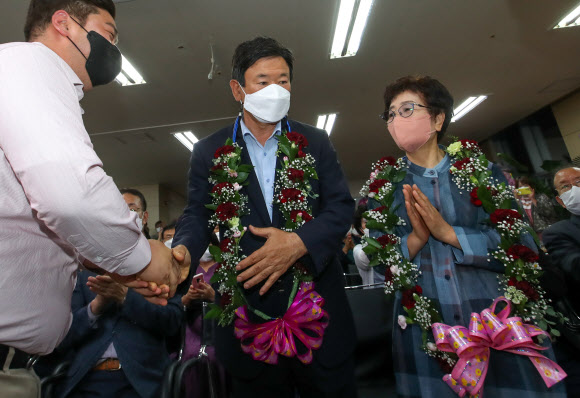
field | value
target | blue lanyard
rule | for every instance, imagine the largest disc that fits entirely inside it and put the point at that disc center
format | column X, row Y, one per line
column 238, row 121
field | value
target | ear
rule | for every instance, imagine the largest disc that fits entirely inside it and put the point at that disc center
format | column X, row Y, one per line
column 145, row 217
column 60, row 22
column 439, row 119
column 237, row 91
column 560, row 201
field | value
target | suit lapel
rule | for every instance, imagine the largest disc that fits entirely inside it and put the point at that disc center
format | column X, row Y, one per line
column 253, row 190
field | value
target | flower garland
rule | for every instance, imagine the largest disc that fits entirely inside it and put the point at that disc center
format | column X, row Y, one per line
column 471, row 173
column 228, row 175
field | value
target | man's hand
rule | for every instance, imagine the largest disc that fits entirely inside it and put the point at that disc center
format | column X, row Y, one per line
column 167, row 267
column 107, row 291
column 281, row 250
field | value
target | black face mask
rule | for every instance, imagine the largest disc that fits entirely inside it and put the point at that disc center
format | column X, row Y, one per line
column 104, row 62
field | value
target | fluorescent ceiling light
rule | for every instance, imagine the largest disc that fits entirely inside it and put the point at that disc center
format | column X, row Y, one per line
column 350, row 25
column 466, row 106
column 572, row 19
column 326, row 122
column 187, row 139
column 129, row 75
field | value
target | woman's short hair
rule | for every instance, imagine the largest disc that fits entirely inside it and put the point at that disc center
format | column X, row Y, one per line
column 435, row 95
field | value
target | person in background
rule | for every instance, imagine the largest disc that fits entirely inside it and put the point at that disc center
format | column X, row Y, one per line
column 168, row 232
column 159, row 225
column 537, row 207
column 57, row 205
column 137, row 204
column 562, row 241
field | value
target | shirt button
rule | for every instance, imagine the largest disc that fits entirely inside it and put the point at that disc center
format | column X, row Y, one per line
column 431, row 172
column 447, row 277
column 433, row 182
column 268, row 180
column 265, row 154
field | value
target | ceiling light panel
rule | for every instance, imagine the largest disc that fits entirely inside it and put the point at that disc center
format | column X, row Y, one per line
column 129, row 75
column 350, row 25
column 570, row 20
column 187, row 138
column 467, row 106
column 326, row 122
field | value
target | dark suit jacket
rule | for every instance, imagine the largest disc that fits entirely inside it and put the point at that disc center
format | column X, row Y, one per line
column 333, row 211
column 563, row 243
column 138, row 330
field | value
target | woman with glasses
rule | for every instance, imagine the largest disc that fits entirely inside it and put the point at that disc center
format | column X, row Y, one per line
column 444, row 236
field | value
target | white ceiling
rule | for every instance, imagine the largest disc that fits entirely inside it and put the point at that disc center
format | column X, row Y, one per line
column 503, row 48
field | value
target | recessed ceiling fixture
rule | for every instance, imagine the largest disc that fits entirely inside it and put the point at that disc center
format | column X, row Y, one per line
column 467, row 106
column 187, row 139
column 129, row 75
column 570, row 20
column 326, row 122
column 350, row 25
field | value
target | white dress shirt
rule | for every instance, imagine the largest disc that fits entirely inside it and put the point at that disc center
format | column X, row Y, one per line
column 57, row 205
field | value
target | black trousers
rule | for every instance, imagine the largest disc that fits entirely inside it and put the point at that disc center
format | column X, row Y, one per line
column 291, row 379
column 104, row 384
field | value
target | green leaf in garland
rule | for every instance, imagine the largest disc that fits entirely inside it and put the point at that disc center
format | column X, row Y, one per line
column 373, row 242
column 374, row 262
column 214, row 312
column 555, row 332
column 245, row 168
column 216, row 253
column 211, row 207
column 242, row 176
column 487, row 201
column 534, row 235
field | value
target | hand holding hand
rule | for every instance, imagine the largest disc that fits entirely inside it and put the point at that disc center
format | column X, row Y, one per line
column 438, row 227
column 281, row 250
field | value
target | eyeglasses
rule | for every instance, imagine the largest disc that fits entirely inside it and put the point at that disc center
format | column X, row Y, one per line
column 567, row 187
column 405, row 110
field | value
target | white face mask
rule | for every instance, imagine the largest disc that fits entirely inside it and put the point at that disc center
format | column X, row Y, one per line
column 269, row 105
column 168, row 243
column 139, row 223
column 526, row 204
column 206, row 256
column 158, row 229
column 571, row 200
column 367, row 232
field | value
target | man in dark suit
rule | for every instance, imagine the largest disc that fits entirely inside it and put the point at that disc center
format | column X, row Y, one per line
column 562, row 240
column 118, row 340
column 266, row 274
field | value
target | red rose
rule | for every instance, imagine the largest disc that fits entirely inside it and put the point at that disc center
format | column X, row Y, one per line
column 461, row 164
column 388, row 275
column 224, row 150
column 298, row 139
column 526, row 287
column 228, row 210
column 380, row 209
column 218, row 188
column 225, row 299
column 291, row 195
column 219, row 166
column 469, row 142
column 377, row 184
column 387, row 239
column 300, row 154
column 295, row 174
column 444, row 365
column 523, row 252
column 474, row 198
column 301, row 267
column 391, row 161
column 226, row 245
column 303, row 213
column 508, row 216
column 408, row 301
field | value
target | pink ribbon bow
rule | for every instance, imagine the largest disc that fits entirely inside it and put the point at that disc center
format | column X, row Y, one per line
column 305, row 320
column 490, row 330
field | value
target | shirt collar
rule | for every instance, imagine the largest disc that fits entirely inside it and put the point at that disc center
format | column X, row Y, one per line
column 70, row 74
column 246, row 131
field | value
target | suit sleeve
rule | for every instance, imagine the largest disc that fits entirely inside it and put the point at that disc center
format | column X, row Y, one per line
column 193, row 229
column 322, row 236
column 564, row 251
column 159, row 320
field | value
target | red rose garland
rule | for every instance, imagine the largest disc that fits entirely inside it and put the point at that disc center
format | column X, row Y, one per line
column 471, row 173
column 228, row 175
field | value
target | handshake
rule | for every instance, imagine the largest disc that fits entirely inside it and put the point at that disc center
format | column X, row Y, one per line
column 159, row 279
